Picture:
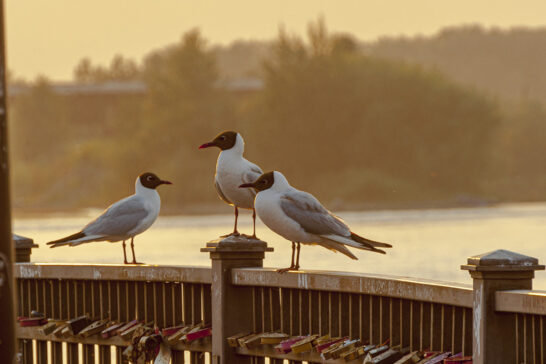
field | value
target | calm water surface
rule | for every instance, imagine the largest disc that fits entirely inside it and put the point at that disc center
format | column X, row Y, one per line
column 427, row 243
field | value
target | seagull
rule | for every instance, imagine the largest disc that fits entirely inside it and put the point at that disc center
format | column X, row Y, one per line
column 299, row 217
column 232, row 170
column 124, row 219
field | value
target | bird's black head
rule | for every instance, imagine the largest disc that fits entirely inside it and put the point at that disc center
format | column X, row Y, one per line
column 225, row 140
column 150, row 180
column 264, row 182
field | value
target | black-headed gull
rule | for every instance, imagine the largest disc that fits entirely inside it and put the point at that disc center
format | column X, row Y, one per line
column 232, row 169
column 124, row 219
column 299, row 217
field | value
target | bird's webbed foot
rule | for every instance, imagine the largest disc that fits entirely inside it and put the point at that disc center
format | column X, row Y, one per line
column 292, row 268
column 235, row 233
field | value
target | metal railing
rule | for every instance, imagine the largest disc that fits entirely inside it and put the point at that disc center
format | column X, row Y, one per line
column 528, row 309
column 163, row 296
column 419, row 314
column 237, row 295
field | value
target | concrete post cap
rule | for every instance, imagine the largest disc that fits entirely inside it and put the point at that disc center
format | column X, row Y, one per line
column 502, row 260
column 237, row 244
column 22, row 242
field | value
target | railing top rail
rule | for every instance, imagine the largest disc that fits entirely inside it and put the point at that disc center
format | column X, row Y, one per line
column 160, row 273
column 382, row 285
column 521, row 301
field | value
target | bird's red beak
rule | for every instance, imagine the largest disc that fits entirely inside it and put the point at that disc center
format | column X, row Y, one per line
column 207, row 145
column 246, row 185
column 166, row 182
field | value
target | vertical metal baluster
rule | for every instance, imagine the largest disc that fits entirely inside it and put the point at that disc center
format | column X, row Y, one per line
column 173, row 302
column 533, row 338
column 320, row 313
column 56, row 347
column 89, row 350
column 453, row 350
column 401, row 324
column 340, row 311
column 254, row 329
column 273, row 327
column 525, row 338
column 300, row 312
column 262, row 293
column 351, row 334
column 391, row 331
column 412, row 346
column 291, row 313
column 41, row 346
column 432, row 326
column 371, row 319
column 517, row 337
column 380, row 319
column 360, row 318
column 310, row 307
column 541, row 342
column 464, row 332
column 207, row 304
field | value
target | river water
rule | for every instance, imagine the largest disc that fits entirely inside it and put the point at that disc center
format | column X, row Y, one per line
column 428, row 244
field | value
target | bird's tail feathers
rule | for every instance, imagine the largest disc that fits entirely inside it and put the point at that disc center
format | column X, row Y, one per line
column 354, row 244
column 74, row 239
column 335, row 247
column 373, row 243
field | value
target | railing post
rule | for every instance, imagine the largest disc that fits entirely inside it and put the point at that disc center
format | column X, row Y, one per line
column 494, row 333
column 231, row 305
column 23, row 248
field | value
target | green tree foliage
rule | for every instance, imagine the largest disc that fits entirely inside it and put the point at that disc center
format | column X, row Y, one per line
column 383, row 130
column 355, row 129
column 507, row 62
column 120, row 69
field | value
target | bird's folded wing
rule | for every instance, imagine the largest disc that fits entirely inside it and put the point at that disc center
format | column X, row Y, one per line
column 307, row 211
column 119, row 219
column 220, row 193
column 252, row 175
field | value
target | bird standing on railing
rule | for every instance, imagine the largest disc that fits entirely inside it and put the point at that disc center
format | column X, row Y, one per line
column 232, row 169
column 124, row 219
column 299, row 217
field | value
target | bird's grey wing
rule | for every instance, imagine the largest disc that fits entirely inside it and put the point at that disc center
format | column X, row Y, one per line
column 220, row 193
column 307, row 211
column 253, row 173
column 119, row 219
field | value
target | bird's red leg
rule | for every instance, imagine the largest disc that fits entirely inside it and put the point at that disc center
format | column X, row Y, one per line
column 253, row 236
column 133, row 249
column 297, row 266
column 124, row 254
column 235, row 232
column 284, row 270
column 254, row 223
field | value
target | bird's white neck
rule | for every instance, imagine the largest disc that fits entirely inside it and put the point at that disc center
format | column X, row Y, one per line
column 280, row 183
column 238, row 148
column 145, row 191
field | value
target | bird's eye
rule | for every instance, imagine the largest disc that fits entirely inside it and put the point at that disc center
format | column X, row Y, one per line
column 149, row 178
column 264, row 181
column 223, row 137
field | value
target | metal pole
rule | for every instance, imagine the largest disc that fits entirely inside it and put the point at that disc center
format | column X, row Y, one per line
column 8, row 341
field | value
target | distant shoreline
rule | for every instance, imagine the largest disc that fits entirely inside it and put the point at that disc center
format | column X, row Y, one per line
column 220, row 209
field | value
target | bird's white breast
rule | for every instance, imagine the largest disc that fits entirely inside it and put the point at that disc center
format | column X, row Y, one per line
column 230, row 170
column 269, row 210
column 152, row 203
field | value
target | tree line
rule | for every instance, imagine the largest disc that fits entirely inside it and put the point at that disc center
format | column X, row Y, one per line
column 357, row 129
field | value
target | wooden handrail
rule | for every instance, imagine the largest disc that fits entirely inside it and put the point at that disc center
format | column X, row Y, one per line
column 521, row 301
column 114, row 272
column 380, row 285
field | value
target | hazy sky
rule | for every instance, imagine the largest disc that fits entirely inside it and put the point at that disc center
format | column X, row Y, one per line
column 50, row 36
